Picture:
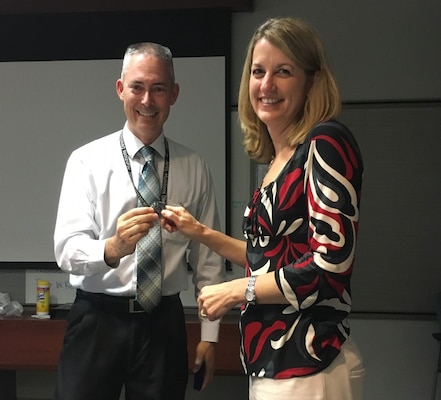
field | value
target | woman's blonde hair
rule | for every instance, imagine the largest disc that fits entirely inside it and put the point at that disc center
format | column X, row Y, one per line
column 298, row 41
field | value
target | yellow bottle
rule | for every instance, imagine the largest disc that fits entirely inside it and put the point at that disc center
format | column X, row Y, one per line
column 43, row 297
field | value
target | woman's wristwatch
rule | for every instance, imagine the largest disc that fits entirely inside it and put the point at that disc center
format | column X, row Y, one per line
column 250, row 296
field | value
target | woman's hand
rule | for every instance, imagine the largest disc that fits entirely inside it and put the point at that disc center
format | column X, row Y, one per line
column 179, row 219
column 215, row 301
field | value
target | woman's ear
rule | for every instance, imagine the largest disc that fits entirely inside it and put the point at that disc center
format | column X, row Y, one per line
column 312, row 78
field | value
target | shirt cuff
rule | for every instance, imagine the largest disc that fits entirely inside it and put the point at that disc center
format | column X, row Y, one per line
column 96, row 263
column 210, row 331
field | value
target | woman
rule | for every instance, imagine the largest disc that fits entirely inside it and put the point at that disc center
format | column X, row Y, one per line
column 301, row 224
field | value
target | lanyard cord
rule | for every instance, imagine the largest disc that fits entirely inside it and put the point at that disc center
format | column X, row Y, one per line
column 164, row 175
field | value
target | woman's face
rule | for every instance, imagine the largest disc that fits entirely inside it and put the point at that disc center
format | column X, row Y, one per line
column 278, row 87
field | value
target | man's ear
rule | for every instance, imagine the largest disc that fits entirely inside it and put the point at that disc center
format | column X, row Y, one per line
column 175, row 93
column 120, row 89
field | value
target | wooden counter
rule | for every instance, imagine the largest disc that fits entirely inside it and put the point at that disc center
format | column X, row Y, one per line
column 27, row 343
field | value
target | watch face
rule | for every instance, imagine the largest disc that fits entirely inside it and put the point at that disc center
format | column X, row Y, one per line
column 249, row 296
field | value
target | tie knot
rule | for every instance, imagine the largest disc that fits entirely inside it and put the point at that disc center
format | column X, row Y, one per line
column 147, row 152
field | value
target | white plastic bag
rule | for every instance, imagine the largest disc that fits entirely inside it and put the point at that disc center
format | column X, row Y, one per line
column 8, row 307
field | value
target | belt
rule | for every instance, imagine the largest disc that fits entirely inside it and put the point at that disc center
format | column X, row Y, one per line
column 125, row 304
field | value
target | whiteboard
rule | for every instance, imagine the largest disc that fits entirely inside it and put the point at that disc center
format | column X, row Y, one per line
column 49, row 108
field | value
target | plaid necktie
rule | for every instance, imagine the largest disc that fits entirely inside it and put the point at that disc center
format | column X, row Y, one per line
column 149, row 271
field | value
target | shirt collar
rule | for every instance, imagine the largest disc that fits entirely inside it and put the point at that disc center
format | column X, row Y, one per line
column 133, row 144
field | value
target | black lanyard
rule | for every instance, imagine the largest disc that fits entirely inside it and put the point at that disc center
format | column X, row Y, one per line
column 164, row 175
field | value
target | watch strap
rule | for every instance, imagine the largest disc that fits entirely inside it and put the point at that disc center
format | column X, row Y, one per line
column 250, row 296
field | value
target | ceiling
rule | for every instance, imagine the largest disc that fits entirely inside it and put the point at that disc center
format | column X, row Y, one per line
column 75, row 6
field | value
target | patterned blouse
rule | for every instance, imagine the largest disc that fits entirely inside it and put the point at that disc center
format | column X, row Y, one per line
column 304, row 226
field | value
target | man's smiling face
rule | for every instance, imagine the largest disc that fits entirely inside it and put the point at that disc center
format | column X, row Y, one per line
column 147, row 91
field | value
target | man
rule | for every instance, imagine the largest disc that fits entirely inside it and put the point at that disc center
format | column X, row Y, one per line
column 111, row 340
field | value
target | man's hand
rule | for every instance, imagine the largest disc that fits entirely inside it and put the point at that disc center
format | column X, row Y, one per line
column 130, row 227
column 205, row 353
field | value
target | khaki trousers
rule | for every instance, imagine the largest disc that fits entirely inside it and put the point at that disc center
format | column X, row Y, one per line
column 342, row 380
